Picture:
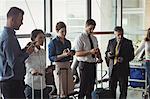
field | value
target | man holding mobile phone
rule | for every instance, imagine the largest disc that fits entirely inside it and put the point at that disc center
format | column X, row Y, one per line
column 12, row 67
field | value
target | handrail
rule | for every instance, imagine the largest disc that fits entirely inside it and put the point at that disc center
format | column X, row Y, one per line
column 108, row 32
column 28, row 35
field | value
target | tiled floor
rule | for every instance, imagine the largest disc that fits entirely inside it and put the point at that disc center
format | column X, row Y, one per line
column 132, row 94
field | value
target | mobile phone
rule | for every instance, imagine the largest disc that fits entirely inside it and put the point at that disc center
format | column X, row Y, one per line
column 72, row 51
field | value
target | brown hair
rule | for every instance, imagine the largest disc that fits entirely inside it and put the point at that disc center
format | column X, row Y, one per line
column 119, row 29
column 14, row 12
column 60, row 25
column 90, row 22
column 147, row 38
column 35, row 32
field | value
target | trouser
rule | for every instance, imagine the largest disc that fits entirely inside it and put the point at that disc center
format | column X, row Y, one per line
column 87, row 79
column 37, row 93
column 13, row 89
column 63, row 78
column 122, row 78
column 147, row 65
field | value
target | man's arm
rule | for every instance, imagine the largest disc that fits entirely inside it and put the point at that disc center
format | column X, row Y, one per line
column 13, row 52
column 86, row 53
column 131, row 51
column 107, row 58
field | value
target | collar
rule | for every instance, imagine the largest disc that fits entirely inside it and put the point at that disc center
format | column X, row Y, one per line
column 36, row 49
column 10, row 30
column 58, row 39
column 120, row 40
column 87, row 34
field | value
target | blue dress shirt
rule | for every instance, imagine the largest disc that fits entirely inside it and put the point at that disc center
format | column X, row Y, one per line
column 11, row 56
column 56, row 47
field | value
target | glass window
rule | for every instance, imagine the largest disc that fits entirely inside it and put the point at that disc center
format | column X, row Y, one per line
column 23, row 41
column 73, row 13
column 133, row 20
column 33, row 17
column 103, row 12
column 133, row 3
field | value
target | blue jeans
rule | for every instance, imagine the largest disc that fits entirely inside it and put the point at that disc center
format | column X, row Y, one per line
column 94, row 95
column 147, row 65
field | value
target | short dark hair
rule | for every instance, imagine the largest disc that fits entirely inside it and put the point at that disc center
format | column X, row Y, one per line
column 90, row 22
column 119, row 29
column 14, row 12
column 35, row 32
column 60, row 25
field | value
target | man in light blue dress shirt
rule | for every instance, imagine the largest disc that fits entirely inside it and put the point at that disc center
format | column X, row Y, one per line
column 12, row 69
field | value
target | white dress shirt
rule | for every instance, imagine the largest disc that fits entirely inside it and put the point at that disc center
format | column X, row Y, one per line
column 82, row 43
column 36, row 61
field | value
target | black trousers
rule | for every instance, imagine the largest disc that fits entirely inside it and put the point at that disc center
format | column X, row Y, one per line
column 87, row 79
column 119, row 76
column 13, row 89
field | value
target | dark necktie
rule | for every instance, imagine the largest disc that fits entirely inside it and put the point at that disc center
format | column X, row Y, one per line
column 91, row 43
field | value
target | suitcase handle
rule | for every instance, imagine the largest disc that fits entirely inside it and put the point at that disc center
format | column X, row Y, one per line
column 33, row 75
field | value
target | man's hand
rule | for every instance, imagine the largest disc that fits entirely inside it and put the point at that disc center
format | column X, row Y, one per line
column 30, row 48
column 99, row 61
column 110, row 55
column 93, row 51
column 120, row 59
column 36, row 72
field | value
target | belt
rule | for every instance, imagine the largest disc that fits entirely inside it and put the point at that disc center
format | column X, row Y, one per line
column 89, row 62
column 147, row 60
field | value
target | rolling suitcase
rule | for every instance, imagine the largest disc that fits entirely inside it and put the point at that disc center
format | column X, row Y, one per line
column 101, row 93
column 40, row 85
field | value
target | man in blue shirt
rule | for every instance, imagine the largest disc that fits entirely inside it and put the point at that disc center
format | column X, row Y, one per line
column 12, row 69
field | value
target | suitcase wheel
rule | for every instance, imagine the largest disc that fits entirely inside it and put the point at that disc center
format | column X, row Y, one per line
column 145, row 95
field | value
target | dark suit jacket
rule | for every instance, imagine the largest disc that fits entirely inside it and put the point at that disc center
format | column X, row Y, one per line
column 126, row 52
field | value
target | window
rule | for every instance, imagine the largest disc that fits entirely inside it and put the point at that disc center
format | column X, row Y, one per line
column 133, row 19
column 32, row 18
column 73, row 13
column 103, row 12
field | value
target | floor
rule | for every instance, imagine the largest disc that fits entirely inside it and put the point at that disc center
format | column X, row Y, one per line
column 132, row 94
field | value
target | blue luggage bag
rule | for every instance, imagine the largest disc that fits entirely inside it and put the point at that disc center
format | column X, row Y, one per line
column 137, row 74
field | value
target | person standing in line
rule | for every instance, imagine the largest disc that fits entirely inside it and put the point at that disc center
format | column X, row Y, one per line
column 145, row 45
column 119, row 53
column 60, row 53
column 88, row 55
column 35, row 67
column 12, row 58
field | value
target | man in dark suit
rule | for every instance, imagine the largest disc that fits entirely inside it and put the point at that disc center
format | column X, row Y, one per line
column 119, row 53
